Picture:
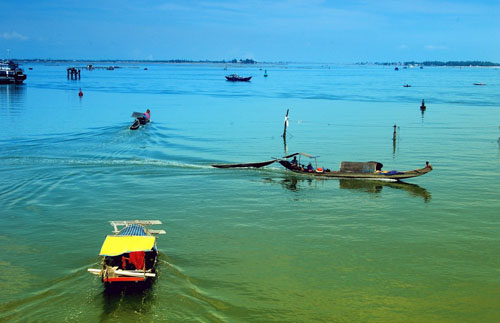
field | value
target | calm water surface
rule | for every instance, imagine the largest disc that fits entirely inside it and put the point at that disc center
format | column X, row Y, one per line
column 253, row 245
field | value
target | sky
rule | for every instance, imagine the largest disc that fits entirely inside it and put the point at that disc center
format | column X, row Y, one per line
column 321, row 31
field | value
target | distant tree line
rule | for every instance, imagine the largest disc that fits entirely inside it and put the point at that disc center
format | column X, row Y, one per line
column 233, row 61
column 439, row 63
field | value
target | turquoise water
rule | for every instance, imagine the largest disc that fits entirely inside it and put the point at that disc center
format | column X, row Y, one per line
column 253, row 245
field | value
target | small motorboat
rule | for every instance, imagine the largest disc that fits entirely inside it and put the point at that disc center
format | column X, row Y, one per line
column 129, row 254
column 140, row 120
column 237, row 78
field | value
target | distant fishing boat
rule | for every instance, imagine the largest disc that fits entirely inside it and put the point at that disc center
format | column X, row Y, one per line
column 361, row 170
column 129, row 255
column 479, row 83
column 140, row 120
column 237, row 78
column 407, row 85
column 11, row 73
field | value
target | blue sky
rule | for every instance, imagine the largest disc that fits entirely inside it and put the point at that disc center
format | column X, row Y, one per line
column 286, row 30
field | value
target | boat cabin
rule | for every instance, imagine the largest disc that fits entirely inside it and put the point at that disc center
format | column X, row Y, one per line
column 360, row 167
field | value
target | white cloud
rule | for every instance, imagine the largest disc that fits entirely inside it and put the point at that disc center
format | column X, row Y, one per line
column 173, row 7
column 12, row 35
column 435, row 47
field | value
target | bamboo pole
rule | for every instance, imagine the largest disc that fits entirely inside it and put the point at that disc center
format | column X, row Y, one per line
column 123, row 273
column 286, row 124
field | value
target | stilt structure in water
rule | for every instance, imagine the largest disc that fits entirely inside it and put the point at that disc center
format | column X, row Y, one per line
column 73, row 73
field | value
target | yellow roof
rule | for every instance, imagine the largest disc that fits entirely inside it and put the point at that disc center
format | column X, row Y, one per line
column 117, row 245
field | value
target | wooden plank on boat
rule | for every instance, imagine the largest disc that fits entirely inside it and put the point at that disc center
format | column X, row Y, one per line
column 94, row 271
column 123, row 279
column 131, row 273
column 123, row 273
column 143, row 222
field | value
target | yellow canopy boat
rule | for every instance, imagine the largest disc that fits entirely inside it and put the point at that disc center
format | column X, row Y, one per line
column 129, row 255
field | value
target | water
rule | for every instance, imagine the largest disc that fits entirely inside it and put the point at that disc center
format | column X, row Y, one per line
column 253, row 245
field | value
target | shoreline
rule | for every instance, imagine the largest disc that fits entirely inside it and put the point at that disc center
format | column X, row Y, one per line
column 240, row 62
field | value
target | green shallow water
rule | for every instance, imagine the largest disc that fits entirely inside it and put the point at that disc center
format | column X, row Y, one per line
column 253, row 245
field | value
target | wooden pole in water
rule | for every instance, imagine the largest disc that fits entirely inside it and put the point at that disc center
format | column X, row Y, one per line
column 286, row 123
column 394, row 140
column 284, row 131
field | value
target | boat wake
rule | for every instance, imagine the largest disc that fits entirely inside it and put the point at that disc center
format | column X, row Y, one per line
column 90, row 162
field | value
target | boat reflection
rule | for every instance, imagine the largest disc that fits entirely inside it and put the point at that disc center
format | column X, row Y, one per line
column 376, row 187
column 295, row 184
column 121, row 297
column 11, row 97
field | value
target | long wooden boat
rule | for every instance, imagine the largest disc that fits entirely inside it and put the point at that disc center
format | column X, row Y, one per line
column 237, row 78
column 254, row 165
column 129, row 254
column 363, row 170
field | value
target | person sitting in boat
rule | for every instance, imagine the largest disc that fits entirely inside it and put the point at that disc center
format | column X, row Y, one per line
column 294, row 161
column 309, row 168
column 147, row 115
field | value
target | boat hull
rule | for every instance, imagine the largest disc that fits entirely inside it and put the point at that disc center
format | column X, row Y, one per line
column 138, row 122
column 238, row 79
column 18, row 79
column 251, row 165
column 379, row 176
